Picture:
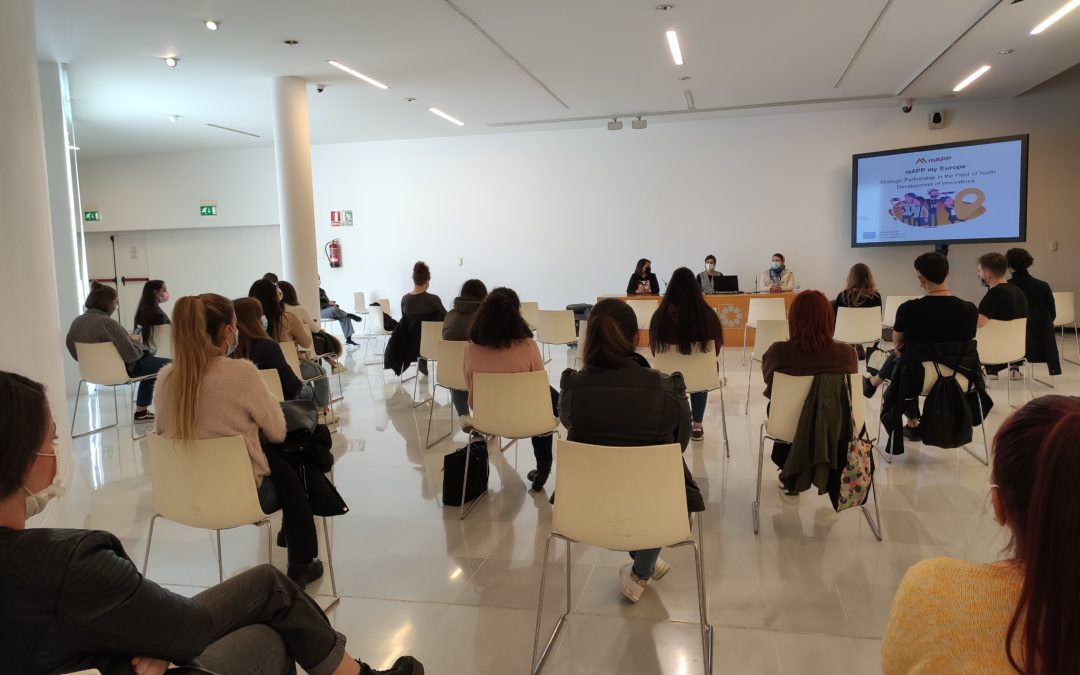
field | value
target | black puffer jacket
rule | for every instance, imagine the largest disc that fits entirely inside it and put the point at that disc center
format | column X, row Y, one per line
column 72, row 600
column 631, row 405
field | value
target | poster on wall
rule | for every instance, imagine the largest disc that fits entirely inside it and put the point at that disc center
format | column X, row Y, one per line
column 341, row 219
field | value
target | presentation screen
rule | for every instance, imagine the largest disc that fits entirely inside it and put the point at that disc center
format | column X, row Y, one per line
column 975, row 191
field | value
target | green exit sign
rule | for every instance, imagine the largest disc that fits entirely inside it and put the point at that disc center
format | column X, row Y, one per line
column 208, row 209
column 92, row 216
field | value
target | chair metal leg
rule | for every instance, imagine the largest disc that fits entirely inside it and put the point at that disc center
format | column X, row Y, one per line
column 1031, row 376
column 431, row 415
column 330, row 563
column 116, row 409
column 1076, row 334
column 703, row 606
column 985, row 457
column 875, row 522
column 465, row 511
column 538, row 664
column 885, row 454
column 149, row 539
column 220, row 564
column 75, row 412
column 723, row 422
column 749, row 381
column 744, row 348
column 760, row 459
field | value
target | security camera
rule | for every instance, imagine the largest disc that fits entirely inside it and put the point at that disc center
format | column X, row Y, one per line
column 906, row 105
column 322, row 87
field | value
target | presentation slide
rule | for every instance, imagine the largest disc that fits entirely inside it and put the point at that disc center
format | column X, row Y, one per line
column 965, row 192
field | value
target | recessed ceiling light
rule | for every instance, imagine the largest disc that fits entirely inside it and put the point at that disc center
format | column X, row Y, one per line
column 446, row 117
column 664, row 8
column 1053, row 18
column 1006, row 51
column 174, row 118
column 684, row 78
column 212, row 24
column 409, row 99
column 171, row 61
column 676, row 52
column 972, row 77
column 365, row 78
column 291, row 43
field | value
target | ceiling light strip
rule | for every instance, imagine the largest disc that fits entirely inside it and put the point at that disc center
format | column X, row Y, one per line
column 446, row 117
column 866, row 38
column 1053, row 18
column 971, row 78
column 673, row 45
column 235, row 131
column 355, row 73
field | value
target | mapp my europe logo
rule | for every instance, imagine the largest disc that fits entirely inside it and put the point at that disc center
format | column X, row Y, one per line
column 933, row 160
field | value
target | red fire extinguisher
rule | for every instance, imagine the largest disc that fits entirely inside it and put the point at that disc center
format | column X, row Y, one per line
column 333, row 252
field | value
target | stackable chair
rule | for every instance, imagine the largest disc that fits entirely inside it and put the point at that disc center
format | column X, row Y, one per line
column 762, row 309
column 449, row 375
column 892, row 303
column 1065, row 303
column 324, row 358
column 644, row 310
column 1002, row 343
column 375, row 330
column 858, row 325
column 699, row 371
column 530, row 311
column 162, row 341
column 430, row 336
column 768, row 331
column 600, row 504
column 555, row 327
column 288, row 350
column 582, row 329
column 100, row 364
column 272, row 381
column 360, row 309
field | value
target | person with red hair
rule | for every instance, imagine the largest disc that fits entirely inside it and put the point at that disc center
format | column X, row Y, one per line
column 1018, row 614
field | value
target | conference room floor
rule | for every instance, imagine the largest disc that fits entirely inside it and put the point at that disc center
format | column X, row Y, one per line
column 808, row 595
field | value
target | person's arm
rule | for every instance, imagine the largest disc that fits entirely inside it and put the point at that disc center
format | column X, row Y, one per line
column 768, row 367
column 129, row 351
column 682, row 431
column 267, row 354
column 654, row 281
column 787, row 281
column 988, row 307
column 440, row 309
column 260, row 403
column 631, row 287
column 299, row 335
column 536, row 361
column 566, row 401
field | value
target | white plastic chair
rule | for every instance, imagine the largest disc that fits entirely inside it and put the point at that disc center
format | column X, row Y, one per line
column 292, row 357
column 600, row 504
column 1065, row 303
column 375, row 330
column 789, row 393
column 530, row 311
column 700, row 372
column 272, row 381
column 583, row 329
column 100, row 364
column 162, row 341
column 858, row 325
column 510, row 406
column 430, row 336
column 1002, row 343
column 644, row 310
column 325, row 358
column 555, row 327
column 762, row 309
column 360, row 308
column 450, row 375
column 892, row 303
column 768, row 332
column 384, row 305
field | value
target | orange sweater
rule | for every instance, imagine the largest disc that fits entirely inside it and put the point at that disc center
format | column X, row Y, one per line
column 522, row 356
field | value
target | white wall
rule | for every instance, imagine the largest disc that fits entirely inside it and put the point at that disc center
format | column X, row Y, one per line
column 563, row 215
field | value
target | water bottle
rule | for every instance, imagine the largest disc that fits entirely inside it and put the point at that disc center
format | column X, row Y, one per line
column 797, row 286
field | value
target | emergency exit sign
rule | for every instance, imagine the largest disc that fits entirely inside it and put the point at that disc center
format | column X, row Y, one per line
column 92, row 216
column 206, row 209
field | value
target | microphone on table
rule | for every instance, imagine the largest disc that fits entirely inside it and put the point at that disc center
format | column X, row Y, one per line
column 665, row 282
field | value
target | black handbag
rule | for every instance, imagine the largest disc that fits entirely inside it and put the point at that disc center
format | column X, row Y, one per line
column 454, row 473
column 323, row 495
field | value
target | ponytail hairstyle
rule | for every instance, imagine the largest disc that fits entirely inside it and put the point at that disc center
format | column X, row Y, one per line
column 611, row 334
column 265, row 292
column 1036, row 461
column 101, row 297
column 684, row 319
column 498, row 323
column 249, row 314
column 197, row 325
column 147, row 310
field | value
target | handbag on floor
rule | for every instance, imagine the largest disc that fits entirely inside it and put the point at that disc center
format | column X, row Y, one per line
column 454, row 473
column 858, row 473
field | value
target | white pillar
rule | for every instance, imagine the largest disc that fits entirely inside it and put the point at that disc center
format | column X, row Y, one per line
column 296, row 205
column 32, row 340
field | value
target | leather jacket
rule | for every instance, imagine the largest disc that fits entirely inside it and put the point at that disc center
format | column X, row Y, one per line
column 72, row 600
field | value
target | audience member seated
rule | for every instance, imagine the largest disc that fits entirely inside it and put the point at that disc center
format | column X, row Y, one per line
column 686, row 323
column 616, row 399
column 1018, row 614
column 149, row 314
column 204, row 394
column 643, row 281
column 420, row 305
column 328, row 309
column 710, row 278
column 778, row 278
column 501, row 342
column 256, row 346
column 97, row 325
column 1042, row 312
column 73, row 600
column 811, row 350
column 322, row 342
column 283, row 327
column 1002, row 302
column 456, row 328
column 859, row 291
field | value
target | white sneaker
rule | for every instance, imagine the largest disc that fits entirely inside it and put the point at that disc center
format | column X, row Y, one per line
column 992, row 376
column 632, row 587
column 339, row 368
column 1015, row 374
column 660, row 569
column 466, row 423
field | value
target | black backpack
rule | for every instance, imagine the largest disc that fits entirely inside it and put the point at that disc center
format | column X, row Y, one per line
column 454, row 473
column 946, row 417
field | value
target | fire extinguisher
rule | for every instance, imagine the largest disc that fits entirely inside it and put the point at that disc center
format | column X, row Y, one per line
column 333, row 252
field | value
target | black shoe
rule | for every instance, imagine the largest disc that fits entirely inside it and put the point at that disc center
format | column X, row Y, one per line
column 354, row 317
column 281, row 539
column 537, row 478
column 406, row 665
column 306, row 573
column 349, row 341
column 868, row 389
column 912, row 434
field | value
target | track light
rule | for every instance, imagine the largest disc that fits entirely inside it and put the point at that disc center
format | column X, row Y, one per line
column 639, row 123
column 614, row 124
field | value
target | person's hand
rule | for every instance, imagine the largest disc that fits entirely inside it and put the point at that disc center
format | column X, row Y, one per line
column 137, row 339
column 333, row 304
column 775, row 288
column 144, row 665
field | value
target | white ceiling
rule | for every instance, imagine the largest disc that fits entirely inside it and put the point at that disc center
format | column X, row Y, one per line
column 600, row 57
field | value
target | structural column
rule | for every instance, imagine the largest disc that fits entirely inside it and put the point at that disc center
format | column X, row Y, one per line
column 32, row 340
column 296, row 205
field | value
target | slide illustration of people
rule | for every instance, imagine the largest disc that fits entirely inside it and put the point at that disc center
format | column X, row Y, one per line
column 933, row 210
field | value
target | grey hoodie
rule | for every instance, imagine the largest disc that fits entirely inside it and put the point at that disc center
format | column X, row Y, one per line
column 459, row 320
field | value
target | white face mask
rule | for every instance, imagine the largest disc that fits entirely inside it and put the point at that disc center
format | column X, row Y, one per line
column 264, row 322
column 36, row 501
column 234, row 344
column 710, row 266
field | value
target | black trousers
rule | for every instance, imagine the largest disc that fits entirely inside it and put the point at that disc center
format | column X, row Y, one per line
column 542, row 444
column 297, row 520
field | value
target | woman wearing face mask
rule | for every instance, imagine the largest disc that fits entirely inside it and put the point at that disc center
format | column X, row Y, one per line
column 710, row 278
column 778, row 278
column 256, row 346
column 1018, row 614
column 71, row 599
column 96, row 325
column 328, row 343
column 643, row 281
column 204, row 394
column 149, row 312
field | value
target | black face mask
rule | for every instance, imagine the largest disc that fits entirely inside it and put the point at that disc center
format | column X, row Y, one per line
column 646, row 270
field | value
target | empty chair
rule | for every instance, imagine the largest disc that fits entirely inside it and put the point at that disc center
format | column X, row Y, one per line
column 644, row 310
column 360, row 307
column 858, row 325
column 768, row 331
column 1002, row 343
column 1065, row 303
column 384, row 305
column 699, row 371
column 450, row 375
column 100, row 364
column 530, row 311
column 892, row 303
column 763, row 309
column 430, row 336
column 273, row 382
column 162, row 341
column 600, row 503
column 555, row 327
column 375, row 330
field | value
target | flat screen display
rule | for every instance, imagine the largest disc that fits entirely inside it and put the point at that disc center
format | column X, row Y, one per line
column 974, row 191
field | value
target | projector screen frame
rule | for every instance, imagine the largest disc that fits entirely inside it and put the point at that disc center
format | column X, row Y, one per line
column 1023, row 138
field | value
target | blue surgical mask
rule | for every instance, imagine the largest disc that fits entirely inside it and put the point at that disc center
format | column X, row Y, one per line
column 777, row 265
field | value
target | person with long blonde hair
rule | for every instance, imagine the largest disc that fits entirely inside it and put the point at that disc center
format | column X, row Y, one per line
column 205, row 394
column 859, row 290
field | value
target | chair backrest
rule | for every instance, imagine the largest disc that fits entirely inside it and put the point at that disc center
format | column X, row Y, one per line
column 858, row 325
column 1002, row 341
column 600, row 496
column 789, row 393
column 205, row 483
column 163, row 341
column 384, row 305
column 930, row 377
column 892, row 303
column 100, row 363
column 430, row 334
column 375, row 323
column 288, row 349
column 768, row 332
column 451, row 371
column 583, row 329
column 765, row 309
column 1065, row 304
column 359, row 302
column 644, row 310
column 556, row 326
column 272, row 381
column 530, row 311
column 698, row 368
column 513, row 405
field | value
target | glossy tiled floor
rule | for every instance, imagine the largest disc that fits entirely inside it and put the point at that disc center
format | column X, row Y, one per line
column 809, row 595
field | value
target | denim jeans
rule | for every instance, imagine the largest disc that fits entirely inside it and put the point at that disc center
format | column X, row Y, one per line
column 698, row 400
column 342, row 318
column 265, row 624
column 542, row 444
column 644, row 562
column 148, row 364
column 321, row 388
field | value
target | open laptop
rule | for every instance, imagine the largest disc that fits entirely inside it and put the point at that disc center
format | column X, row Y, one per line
column 726, row 284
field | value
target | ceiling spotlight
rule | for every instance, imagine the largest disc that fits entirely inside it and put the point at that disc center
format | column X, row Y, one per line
column 971, row 78
column 365, row 78
column 639, row 123
column 614, row 124
column 409, row 99
column 1006, row 51
column 664, row 8
column 446, row 117
column 171, row 61
column 291, row 43
column 174, row 118
column 684, row 78
column 212, row 24
column 673, row 44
